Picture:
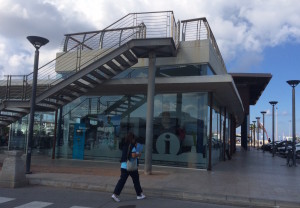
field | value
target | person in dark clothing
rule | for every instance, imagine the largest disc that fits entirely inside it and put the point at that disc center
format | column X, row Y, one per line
column 129, row 143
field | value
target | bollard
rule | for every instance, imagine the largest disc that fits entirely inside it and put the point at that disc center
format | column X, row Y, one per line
column 12, row 174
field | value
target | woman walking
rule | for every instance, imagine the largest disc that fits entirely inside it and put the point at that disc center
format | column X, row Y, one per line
column 129, row 153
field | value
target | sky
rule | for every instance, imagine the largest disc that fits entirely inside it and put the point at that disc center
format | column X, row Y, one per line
column 257, row 36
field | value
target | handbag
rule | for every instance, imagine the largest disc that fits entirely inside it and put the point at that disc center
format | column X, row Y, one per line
column 131, row 163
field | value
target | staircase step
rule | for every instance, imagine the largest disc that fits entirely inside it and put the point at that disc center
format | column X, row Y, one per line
column 53, row 102
column 107, row 71
column 76, row 88
column 63, row 98
column 115, row 67
column 45, row 107
column 16, row 110
column 69, row 93
column 91, row 80
column 99, row 76
column 8, row 118
column 122, row 62
column 130, row 56
column 17, row 115
column 83, row 85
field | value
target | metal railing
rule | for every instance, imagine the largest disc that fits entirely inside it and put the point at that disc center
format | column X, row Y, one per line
column 132, row 26
column 98, row 43
column 15, row 90
column 91, row 105
column 87, row 106
column 199, row 29
column 158, row 24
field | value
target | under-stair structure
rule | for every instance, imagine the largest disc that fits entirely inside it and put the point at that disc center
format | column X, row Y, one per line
column 126, row 105
column 88, row 60
column 122, row 106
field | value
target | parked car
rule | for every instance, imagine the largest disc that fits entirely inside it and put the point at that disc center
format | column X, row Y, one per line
column 290, row 147
column 269, row 146
column 283, row 146
column 266, row 147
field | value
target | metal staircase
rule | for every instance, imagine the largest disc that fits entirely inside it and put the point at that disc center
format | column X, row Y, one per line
column 126, row 105
column 88, row 60
column 120, row 105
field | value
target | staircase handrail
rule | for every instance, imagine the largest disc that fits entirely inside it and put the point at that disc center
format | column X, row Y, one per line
column 49, row 82
column 47, row 74
column 199, row 29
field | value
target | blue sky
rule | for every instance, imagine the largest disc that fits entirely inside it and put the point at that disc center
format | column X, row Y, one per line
column 283, row 63
column 257, row 36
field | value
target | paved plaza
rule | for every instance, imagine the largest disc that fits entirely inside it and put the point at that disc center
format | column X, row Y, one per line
column 250, row 178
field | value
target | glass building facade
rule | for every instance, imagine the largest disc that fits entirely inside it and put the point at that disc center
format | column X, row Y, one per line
column 92, row 127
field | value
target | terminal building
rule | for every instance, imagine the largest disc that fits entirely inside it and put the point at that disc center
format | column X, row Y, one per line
column 161, row 79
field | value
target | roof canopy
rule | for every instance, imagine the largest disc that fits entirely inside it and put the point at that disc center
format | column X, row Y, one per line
column 256, row 83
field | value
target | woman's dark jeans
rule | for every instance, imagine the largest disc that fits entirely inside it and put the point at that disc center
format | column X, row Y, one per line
column 123, row 178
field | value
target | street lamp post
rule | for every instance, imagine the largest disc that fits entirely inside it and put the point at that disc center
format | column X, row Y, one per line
column 290, row 128
column 293, row 84
column 254, row 132
column 37, row 42
column 273, row 103
column 263, row 113
column 257, row 118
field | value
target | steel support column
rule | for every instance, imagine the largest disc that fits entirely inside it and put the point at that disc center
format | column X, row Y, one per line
column 263, row 129
column 59, row 130
column 254, row 133
column 210, row 130
column 224, row 133
column 251, row 127
column 244, row 133
column 54, row 140
column 232, row 137
column 258, row 122
column 150, row 112
column 234, row 134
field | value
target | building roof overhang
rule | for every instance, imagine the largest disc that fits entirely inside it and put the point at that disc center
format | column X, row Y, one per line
column 255, row 82
column 222, row 86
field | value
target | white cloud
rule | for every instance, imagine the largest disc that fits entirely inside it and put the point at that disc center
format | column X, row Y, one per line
column 269, row 112
column 284, row 113
column 16, row 60
column 243, row 29
column 2, row 49
column 19, row 11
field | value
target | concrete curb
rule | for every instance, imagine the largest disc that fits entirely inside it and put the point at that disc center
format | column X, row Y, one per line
column 199, row 197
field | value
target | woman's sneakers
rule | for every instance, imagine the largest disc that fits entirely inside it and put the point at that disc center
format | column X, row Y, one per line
column 115, row 198
column 142, row 196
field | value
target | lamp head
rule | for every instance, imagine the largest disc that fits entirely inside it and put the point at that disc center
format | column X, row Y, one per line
column 263, row 112
column 37, row 41
column 293, row 83
column 273, row 102
column 254, row 122
column 257, row 117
